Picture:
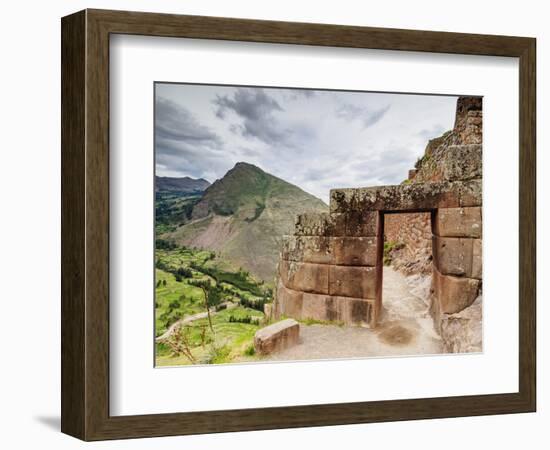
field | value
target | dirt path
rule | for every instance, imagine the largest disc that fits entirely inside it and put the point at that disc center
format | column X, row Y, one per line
column 189, row 319
column 405, row 327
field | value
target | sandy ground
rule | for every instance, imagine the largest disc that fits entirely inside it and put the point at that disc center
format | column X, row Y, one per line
column 405, row 328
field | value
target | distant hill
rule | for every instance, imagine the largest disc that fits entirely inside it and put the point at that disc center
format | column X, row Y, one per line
column 243, row 216
column 174, row 200
column 184, row 185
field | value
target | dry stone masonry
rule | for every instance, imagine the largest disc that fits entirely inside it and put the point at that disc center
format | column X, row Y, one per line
column 410, row 234
column 330, row 269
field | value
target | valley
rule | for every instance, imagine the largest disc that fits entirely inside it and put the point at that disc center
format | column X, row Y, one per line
column 188, row 279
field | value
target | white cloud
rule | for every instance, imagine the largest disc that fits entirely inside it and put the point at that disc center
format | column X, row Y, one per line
column 317, row 140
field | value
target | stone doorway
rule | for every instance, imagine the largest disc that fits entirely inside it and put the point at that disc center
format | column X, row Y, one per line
column 406, row 254
column 331, row 268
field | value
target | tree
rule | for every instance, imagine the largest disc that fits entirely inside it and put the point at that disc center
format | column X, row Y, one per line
column 179, row 343
column 212, row 297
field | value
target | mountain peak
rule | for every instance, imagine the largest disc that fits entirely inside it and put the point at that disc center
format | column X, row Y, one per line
column 245, row 165
column 244, row 214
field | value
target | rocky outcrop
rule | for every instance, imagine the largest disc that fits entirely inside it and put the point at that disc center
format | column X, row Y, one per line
column 456, row 155
column 462, row 332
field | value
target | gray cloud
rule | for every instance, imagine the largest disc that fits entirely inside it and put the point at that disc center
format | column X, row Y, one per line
column 296, row 94
column 174, row 122
column 257, row 110
column 183, row 144
column 367, row 116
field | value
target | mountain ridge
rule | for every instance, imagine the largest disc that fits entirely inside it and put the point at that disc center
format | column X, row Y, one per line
column 181, row 184
column 244, row 215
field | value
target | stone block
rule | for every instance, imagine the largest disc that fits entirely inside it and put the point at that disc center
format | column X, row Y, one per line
column 350, row 311
column 458, row 222
column 462, row 162
column 477, row 259
column 313, row 249
column 453, row 294
column 453, row 256
column 471, row 193
column 354, row 251
column 337, row 225
column 359, row 311
column 288, row 302
column 350, row 281
column 283, row 270
column 463, row 332
column 313, row 224
column 305, row 277
column 277, row 337
column 361, row 223
column 407, row 197
column 320, row 307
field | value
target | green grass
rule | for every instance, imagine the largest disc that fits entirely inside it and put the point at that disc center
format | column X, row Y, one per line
column 189, row 300
column 175, row 300
column 389, row 247
column 230, row 341
column 309, row 321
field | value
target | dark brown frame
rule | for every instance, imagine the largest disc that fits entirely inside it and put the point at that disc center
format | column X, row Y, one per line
column 85, row 224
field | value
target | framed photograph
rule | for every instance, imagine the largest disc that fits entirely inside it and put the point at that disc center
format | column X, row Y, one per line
column 273, row 225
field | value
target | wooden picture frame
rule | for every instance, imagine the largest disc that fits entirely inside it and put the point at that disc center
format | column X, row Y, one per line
column 85, row 224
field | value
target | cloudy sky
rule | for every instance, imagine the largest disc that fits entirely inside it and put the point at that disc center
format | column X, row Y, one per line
column 317, row 140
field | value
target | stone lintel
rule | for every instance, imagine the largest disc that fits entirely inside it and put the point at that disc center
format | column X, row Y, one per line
column 407, row 197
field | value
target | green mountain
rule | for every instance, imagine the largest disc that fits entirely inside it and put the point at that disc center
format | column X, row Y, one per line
column 243, row 217
column 175, row 199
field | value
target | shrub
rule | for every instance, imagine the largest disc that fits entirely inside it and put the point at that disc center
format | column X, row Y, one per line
column 162, row 244
column 250, row 350
column 245, row 319
column 175, row 304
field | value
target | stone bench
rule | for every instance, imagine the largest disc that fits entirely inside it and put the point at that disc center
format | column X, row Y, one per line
column 277, row 337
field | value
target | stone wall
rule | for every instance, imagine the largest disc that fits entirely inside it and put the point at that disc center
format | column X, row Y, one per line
column 414, row 232
column 329, row 269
